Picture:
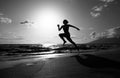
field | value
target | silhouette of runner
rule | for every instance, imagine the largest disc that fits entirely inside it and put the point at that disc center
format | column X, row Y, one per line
column 66, row 33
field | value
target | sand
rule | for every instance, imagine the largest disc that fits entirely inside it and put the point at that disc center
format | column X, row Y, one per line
column 69, row 67
column 57, row 67
column 23, row 70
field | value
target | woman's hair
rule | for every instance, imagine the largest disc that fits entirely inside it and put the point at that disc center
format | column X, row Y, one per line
column 65, row 21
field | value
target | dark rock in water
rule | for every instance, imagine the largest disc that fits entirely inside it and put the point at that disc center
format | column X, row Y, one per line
column 93, row 61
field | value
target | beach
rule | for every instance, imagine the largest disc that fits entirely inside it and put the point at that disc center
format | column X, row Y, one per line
column 59, row 39
column 58, row 65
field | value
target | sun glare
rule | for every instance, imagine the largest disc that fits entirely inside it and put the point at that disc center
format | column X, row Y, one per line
column 48, row 44
column 47, row 20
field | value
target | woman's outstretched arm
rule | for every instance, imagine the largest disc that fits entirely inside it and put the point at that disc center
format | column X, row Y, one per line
column 74, row 27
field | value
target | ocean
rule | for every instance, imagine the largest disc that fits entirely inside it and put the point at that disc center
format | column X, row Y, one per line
column 22, row 50
column 16, row 50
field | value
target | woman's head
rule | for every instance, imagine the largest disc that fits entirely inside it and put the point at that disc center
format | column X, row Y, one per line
column 65, row 21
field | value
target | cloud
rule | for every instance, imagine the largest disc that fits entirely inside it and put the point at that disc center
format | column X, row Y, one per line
column 114, row 32
column 10, row 36
column 107, row 1
column 95, row 14
column 96, row 10
column 5, row 20
column 93, row 34
column 110, row 33
column 27, row 23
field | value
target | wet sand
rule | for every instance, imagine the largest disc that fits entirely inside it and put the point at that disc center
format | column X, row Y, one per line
column 69, row 67
column 23, row 70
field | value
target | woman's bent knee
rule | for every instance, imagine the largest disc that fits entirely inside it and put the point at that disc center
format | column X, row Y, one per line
column 61, row 35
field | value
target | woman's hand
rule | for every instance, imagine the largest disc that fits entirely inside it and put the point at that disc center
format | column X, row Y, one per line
column 58, row 26
column 78, row 29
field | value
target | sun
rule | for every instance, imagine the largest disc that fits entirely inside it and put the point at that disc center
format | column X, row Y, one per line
column 47, row 20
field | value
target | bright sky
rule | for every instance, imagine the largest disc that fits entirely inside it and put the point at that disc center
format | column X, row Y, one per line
column 35, row 21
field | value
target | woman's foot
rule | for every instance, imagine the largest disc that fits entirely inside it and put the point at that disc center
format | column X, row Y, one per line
column 64, row 42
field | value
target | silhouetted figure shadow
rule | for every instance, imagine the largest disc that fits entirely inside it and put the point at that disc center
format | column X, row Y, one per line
column 93, row 61
column 66, row 33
